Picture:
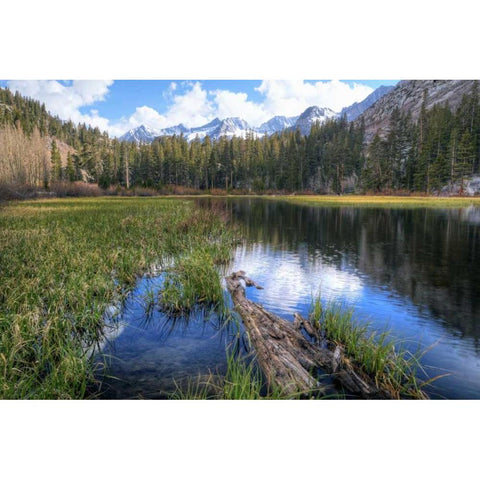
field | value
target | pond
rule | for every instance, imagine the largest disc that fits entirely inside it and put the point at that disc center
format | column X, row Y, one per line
column 413, row 271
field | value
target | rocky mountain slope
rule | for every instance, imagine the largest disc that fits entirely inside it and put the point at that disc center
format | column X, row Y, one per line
column 408, row 97
column 276, row 124
column 355, row 110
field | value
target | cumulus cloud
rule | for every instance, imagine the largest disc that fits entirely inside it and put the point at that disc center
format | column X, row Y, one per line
column 291, row 97
column 231, row 104
column 191, row 108
column 189, row 103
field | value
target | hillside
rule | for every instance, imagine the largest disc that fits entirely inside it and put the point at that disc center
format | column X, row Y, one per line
column 408, row 96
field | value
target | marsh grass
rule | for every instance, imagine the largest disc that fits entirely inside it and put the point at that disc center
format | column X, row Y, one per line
column 393, row 367
column 192, row 281
column 63, row 262
column 380, row 201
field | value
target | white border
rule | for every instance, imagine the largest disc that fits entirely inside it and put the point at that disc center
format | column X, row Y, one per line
column 238, row 40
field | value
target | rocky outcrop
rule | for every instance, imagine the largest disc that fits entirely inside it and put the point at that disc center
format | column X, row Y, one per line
column 469, row 186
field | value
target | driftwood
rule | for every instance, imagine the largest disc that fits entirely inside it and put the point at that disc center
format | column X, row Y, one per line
column 288, row 360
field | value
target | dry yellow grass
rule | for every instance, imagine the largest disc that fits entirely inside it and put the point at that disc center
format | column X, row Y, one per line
column 381, row 201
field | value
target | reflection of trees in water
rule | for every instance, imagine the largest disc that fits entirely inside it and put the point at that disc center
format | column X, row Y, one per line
column 431, row 256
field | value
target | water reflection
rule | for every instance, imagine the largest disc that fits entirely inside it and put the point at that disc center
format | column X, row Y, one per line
column 414, row 271
column 151, row 353
column 430, row 256
column 293, row 278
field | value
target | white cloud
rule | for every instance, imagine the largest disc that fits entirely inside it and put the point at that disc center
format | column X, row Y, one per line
column 192, row 108
column 231, row 104
column 189, row 103
column 142, row 116
column 291, row 97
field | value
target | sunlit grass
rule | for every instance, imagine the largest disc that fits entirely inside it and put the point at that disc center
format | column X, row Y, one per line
column 380, row 201
column 62, row 262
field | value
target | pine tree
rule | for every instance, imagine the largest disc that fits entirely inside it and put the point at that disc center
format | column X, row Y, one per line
column 465, row 158
column 70, row 169
column 56, row 172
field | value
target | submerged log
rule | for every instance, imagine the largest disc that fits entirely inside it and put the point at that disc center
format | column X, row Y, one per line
column 288, row 360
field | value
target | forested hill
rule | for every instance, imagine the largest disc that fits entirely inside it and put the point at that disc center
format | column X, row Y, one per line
column 433, row 147
column 28, row 115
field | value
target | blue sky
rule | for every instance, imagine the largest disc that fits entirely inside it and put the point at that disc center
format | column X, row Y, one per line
column 117, row 106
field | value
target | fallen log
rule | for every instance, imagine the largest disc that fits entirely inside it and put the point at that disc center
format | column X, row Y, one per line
column 288, row 360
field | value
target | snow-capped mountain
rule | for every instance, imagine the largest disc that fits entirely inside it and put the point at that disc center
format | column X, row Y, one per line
column 276, row 124
column 203, row 131
column 234, row 126
column 312, row 115
column 217, row 128
column 176, row 130
column 141, row 134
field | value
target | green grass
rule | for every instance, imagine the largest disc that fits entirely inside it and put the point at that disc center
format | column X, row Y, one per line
column 62, row 262
column 393, row 367
column 192, row 281
column 380, row 201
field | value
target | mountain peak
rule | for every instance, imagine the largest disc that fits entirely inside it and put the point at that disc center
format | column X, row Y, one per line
column 276, row 124
column 311, row 115
column 141, row 134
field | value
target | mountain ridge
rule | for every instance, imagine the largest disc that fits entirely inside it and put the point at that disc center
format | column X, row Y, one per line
column 236, row 126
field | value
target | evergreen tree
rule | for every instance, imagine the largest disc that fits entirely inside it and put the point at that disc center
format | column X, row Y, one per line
column 70, row 173
column 56, row 172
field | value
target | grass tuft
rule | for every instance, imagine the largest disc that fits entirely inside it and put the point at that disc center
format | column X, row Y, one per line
column 194, row 280
column 393, row 367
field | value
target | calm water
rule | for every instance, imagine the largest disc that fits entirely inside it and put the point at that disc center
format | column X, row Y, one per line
column 415, row 272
